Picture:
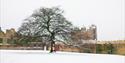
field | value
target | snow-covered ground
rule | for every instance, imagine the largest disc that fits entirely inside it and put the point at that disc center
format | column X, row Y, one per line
column 38, row 56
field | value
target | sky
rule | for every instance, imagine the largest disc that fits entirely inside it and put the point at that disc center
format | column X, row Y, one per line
column 107, row 15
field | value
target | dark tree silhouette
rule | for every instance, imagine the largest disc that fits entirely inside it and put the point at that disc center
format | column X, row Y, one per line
column 47, row 22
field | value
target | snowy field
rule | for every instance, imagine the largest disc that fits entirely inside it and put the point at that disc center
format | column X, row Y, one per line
column 38, row 56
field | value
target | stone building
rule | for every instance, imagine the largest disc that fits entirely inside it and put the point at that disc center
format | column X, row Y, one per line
column 84, row 33
column 85, row 38
column 5, row 37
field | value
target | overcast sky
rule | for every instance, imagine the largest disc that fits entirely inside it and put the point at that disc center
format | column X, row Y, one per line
column 107, row 15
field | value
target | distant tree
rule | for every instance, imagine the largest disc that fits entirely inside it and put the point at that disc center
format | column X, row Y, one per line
column 98, row 48
column 48, row 23
column 110, row 48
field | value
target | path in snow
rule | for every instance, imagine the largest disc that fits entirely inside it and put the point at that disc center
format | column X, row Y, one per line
column 38, row 56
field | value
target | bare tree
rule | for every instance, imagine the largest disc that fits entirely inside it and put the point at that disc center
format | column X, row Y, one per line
column 47, row 22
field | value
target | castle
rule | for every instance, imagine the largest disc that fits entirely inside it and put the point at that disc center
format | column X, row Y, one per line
column 80, row 34
column 83, row 40
column 78, row 37
column 5, row 37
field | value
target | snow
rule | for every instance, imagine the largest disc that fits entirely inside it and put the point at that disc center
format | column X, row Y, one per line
column 39, row 56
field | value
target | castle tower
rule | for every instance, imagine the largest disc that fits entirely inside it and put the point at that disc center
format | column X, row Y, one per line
column 94, row 30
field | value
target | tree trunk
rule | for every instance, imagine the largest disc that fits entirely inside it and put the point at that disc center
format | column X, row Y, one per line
column 52, row 47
